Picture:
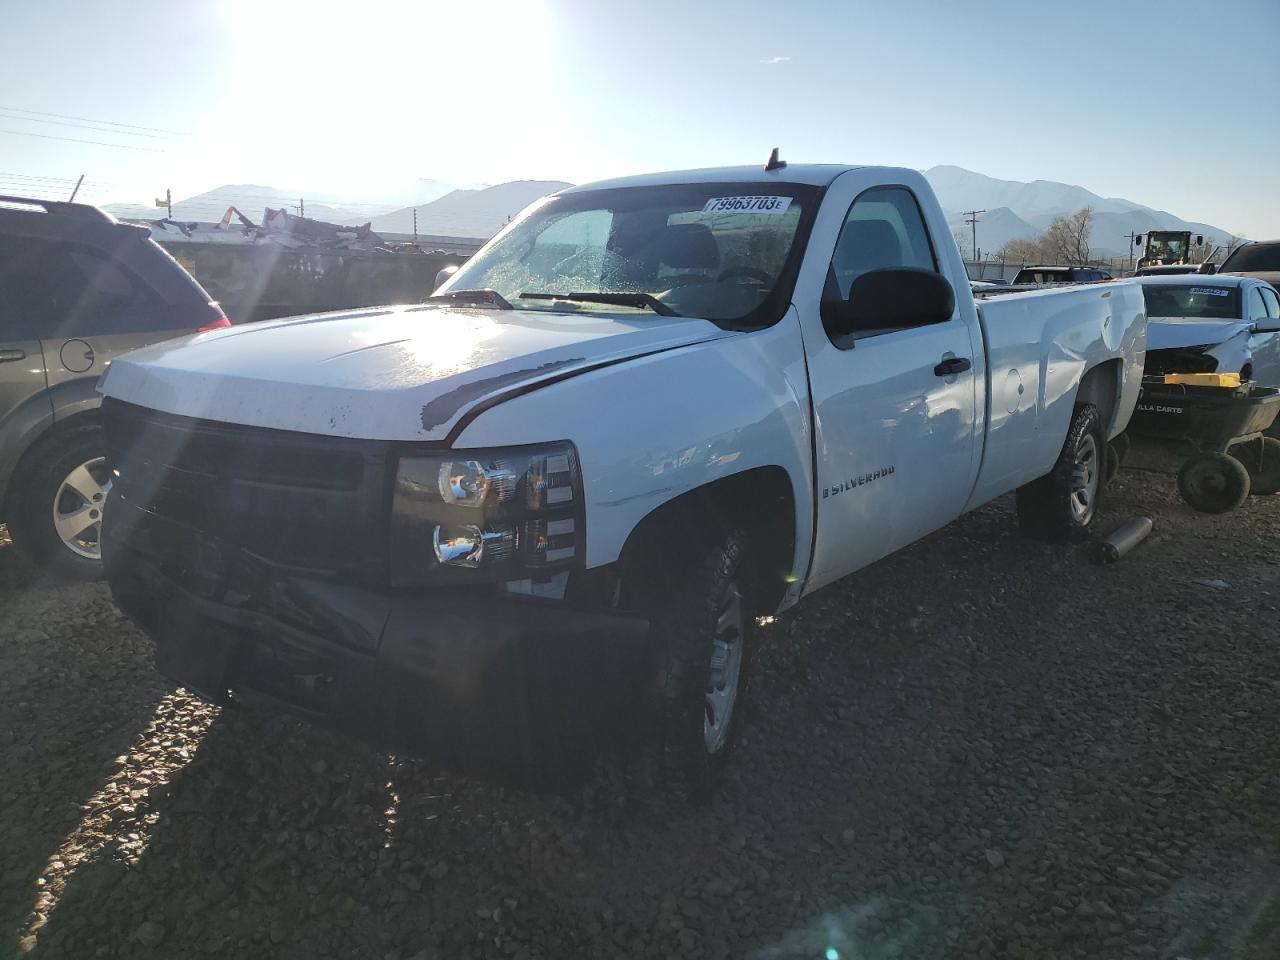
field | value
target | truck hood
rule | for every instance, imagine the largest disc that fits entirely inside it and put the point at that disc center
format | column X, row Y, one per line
column 393, row 373
column 1164, row 333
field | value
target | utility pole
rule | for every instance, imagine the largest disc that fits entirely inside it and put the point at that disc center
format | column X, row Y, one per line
column 168, row 202
column 1133, row 242
column 971, row 218
column 301, row 207
column 76, row 190
column 415, row 226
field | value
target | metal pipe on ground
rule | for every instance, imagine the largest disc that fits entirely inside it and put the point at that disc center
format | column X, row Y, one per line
column 1124, row 538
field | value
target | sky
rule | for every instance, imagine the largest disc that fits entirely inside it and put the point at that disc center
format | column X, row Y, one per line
column 1171, row 104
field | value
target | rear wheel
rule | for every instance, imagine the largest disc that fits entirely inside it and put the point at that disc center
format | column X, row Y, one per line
column 1061, row 505
column 61, row 493
column 1261, row 458
column 1213, row 482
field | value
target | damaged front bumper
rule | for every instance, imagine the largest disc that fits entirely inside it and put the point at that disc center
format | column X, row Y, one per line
column 467, row 677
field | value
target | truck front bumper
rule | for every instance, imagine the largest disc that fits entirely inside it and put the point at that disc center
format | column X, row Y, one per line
column 469, row 678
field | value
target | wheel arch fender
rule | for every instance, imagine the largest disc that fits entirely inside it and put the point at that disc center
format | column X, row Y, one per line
column 1101, row 386
column 760, row 500
column 71, row 398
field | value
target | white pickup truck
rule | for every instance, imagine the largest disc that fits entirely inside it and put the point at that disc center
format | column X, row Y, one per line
column 651, row 411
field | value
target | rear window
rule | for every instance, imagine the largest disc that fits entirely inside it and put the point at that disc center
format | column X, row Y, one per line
column 1192, row 300
column 1042, row 276
column 1255, row 256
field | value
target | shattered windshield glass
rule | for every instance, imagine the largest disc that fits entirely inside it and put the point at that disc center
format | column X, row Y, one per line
column 722, row 251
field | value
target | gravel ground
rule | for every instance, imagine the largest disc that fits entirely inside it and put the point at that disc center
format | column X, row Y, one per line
column 981, row 747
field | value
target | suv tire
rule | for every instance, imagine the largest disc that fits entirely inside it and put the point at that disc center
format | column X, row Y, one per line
column 60, row 493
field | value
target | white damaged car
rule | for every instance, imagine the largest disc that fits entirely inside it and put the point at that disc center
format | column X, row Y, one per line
column 1213, row 324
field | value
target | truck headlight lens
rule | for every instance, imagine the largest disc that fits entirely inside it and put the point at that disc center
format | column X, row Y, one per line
column 502, row 514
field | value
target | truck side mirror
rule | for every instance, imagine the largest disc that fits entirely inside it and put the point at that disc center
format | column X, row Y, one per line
column 1137, row 240
column 891, row 298
column 444, row 274
column 1199, row 240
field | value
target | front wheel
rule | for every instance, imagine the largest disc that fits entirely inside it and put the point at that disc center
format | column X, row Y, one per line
column 705, row 631
column 1061, row 505
column 1213, row 482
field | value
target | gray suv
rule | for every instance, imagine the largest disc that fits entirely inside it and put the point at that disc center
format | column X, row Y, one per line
column 77, row 288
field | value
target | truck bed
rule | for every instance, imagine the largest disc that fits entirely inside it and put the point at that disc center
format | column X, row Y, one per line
column 1039, row 344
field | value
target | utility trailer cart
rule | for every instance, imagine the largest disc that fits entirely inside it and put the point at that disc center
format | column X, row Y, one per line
column 1223, row 429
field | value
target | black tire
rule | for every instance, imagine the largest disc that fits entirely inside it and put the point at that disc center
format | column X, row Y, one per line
column 40, row 479
column 1060, row 506
column 1261, row 458
column 1213, row 482
column 689, row 604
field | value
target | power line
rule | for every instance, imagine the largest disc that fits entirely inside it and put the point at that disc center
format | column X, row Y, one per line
column 109, row 123
column 96, row 143
column 85, row 126
column 27, row 176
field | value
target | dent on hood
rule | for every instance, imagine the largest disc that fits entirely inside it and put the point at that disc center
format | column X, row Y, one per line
column 442, row 409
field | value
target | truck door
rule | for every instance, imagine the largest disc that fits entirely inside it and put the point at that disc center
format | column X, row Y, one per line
column 895, row 409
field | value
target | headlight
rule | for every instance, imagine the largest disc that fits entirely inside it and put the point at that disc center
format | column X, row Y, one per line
column 471, row 515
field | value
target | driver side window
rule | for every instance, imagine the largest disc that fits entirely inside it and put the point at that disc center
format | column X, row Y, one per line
column 883, row 228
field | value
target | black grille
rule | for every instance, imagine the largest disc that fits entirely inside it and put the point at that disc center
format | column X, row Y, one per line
column 1179, row 360
column 221, row 500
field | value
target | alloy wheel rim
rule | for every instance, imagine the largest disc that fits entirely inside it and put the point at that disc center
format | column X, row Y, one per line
column 78, row 506
column 726, row 670
column 1085, row 478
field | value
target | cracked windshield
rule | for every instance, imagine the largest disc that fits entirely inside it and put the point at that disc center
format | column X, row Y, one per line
column 541, row 480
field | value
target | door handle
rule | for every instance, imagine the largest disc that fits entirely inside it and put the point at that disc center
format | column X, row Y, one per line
column 950, row 366
column 8, row 356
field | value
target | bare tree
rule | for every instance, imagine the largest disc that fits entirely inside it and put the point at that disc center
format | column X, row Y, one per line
column 1068, row 237
column 1066, row 241
column 961, row 236
column 1027, row 250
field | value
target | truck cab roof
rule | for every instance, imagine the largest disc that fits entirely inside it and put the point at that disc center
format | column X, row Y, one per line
column 813, row 174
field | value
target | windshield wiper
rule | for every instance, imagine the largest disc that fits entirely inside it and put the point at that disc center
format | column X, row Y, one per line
column 472, row 298
column 620, row 299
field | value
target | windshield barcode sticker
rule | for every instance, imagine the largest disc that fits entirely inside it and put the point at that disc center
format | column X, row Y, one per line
column 747, row 205
column 1211, row 291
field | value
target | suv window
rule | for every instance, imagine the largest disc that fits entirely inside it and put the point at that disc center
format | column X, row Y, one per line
column 884, row 228
column 68, row 290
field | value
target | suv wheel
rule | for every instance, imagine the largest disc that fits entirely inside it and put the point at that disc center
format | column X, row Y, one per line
column 61, row 494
